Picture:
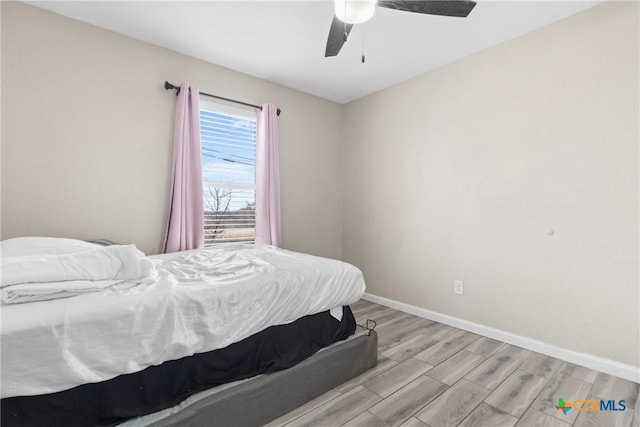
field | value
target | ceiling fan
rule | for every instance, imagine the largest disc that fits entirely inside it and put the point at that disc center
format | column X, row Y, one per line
column 351, row 12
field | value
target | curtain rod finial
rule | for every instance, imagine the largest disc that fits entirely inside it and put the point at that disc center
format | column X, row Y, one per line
column 278, row 112
column 169, row 86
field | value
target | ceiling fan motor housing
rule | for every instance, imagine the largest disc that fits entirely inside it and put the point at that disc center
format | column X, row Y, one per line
column 355, row 11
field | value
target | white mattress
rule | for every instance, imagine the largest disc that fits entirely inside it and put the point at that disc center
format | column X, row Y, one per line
column 198, row 301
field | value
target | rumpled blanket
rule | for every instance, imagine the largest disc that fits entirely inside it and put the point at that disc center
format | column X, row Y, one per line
column 27, row 292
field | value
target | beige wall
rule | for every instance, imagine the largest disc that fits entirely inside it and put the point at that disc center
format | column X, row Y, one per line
column 459, row 174
column 86, row 136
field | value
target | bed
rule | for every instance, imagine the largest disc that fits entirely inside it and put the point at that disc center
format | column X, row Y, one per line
column 196, row 337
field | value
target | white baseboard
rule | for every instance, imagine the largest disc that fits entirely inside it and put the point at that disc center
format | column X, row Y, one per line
column 601, row 364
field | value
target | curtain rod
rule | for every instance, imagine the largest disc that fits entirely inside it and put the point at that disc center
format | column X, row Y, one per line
column 169, row 86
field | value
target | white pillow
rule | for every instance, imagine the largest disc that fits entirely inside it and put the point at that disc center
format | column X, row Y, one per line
column 25, row 246
column 50, row 259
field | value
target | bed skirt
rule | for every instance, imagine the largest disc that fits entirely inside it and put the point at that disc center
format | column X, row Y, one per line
column 158, row 387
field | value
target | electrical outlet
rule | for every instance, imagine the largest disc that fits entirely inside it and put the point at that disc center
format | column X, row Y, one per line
column 458, row 287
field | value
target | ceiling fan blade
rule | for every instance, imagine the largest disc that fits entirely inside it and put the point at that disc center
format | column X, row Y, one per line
column 459, row 8
column 336, row 37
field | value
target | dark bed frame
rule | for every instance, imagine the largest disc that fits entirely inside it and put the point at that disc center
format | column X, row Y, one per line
column 259, row 400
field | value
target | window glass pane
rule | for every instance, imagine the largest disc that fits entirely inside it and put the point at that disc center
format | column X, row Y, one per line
column 228, row 174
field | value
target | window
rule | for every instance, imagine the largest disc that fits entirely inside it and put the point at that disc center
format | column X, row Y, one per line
column 228, row 138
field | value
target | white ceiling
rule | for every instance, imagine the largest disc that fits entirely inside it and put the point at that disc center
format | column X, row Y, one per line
column 284, row 41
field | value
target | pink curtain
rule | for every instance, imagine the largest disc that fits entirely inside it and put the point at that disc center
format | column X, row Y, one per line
column 185, row 228
column 267, row 177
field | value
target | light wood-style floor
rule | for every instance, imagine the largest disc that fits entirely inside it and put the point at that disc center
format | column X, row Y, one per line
column 430, row 374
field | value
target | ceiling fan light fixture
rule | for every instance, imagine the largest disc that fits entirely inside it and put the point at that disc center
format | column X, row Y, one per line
column 354, row 11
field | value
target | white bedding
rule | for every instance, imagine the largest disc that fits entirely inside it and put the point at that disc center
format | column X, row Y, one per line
column 28, row 292
column 198, row 301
